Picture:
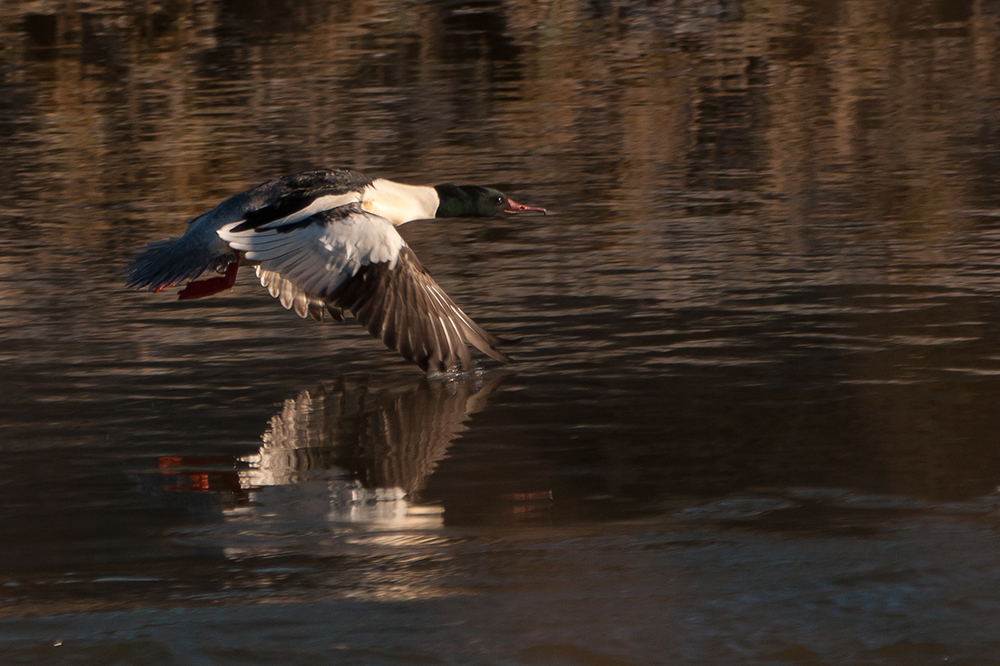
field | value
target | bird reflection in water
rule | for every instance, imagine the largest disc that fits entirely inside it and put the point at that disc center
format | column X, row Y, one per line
column 347, row 453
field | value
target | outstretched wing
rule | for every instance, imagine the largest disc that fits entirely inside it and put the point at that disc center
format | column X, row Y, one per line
column 355, row 260
column 404, row 306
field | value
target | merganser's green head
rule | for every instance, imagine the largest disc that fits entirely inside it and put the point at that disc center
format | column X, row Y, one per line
column 477, row 201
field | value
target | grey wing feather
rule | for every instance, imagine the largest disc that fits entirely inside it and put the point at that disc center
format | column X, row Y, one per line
column 293, row 298
column 409, row 312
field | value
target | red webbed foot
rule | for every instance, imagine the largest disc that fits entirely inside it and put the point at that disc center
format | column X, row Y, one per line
column 210, row 286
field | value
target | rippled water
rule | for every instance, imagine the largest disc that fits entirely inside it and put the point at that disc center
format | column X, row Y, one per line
column 754, row 414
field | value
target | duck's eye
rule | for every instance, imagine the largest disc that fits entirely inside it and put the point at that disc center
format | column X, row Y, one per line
column 498, row 200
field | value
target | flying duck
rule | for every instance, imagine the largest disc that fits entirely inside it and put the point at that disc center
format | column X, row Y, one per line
column 326, row 241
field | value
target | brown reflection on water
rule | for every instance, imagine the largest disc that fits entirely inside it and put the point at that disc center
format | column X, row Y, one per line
column 825, row 106
column 770, row 280
column 699, row 156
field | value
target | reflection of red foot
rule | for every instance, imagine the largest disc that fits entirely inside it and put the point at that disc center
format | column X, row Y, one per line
column 187, row 480
column 202, row 288
column 177, row 461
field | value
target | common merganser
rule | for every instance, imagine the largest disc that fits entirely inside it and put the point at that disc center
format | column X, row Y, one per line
column 325, row 241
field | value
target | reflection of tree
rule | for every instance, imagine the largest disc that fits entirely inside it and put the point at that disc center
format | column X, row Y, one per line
column 848, row 108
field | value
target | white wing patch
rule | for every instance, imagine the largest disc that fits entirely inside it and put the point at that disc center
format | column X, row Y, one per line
column 318, row 205
column 316, row 258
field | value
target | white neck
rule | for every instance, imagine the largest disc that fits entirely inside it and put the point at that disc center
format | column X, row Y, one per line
column 400, row 203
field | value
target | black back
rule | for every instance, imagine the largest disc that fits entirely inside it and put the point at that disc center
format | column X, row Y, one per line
column 297, row 191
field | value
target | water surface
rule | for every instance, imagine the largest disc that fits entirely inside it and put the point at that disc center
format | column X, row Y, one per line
column 753, row 415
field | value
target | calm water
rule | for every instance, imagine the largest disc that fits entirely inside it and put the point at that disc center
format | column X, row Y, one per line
column 754, row 417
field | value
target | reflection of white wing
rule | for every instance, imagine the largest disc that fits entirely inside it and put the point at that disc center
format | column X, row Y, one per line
column 297, row 446
column 363, row 454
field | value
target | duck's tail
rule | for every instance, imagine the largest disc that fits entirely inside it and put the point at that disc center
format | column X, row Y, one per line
column 172, row 262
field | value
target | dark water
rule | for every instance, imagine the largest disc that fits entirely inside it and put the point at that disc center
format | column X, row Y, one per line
column 754, row 417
